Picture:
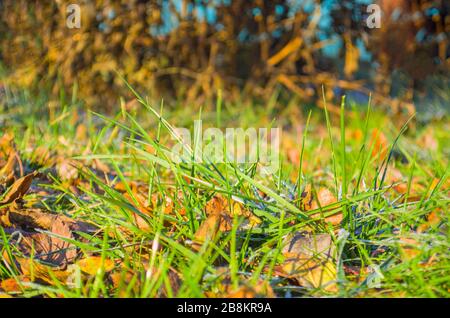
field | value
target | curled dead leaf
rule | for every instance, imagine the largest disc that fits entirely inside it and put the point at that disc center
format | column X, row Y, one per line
column 18, row 189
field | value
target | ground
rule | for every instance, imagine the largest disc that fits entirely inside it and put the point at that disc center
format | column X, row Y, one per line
column 92, row 205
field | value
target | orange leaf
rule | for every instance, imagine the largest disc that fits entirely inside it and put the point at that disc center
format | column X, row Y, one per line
column 379, row 143
column 12, row 285
column 325, row 197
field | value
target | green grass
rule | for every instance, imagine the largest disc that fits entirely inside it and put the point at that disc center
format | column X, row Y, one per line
column 375, row 216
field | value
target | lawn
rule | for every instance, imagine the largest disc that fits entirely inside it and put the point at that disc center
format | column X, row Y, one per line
column 93, row 205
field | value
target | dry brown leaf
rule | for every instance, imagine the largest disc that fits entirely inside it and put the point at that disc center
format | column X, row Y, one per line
column 99, row 165
column 36, row 271
column 417, row 189
column 18, row 189
column 92, row 264
column 309, row 260
column 81, row 132
column 49, row 248
column 42, row 156
column 52, row 249
column 354, row 134
column 428, row 141
column 37, row 218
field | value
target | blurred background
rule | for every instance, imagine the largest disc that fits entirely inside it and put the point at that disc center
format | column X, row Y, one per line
column 188, row 51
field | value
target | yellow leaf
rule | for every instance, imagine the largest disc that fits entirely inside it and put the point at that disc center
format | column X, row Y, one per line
column 92, row 264
column 309, row 260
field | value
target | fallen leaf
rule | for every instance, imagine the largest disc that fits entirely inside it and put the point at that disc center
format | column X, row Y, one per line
column 13, row 285
column 42, row 156
column 6, row 142
column 220, row 218
column 354, row 134
column 92, row 264
column 309, row 260
column 4, row 218
column 37, row 218
column 210, row 227
column 428, row 141
column 36, row 271
column 18, row 189
column 325, row 198
column 48, row 248
column 306, row 199
column 7, row 172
